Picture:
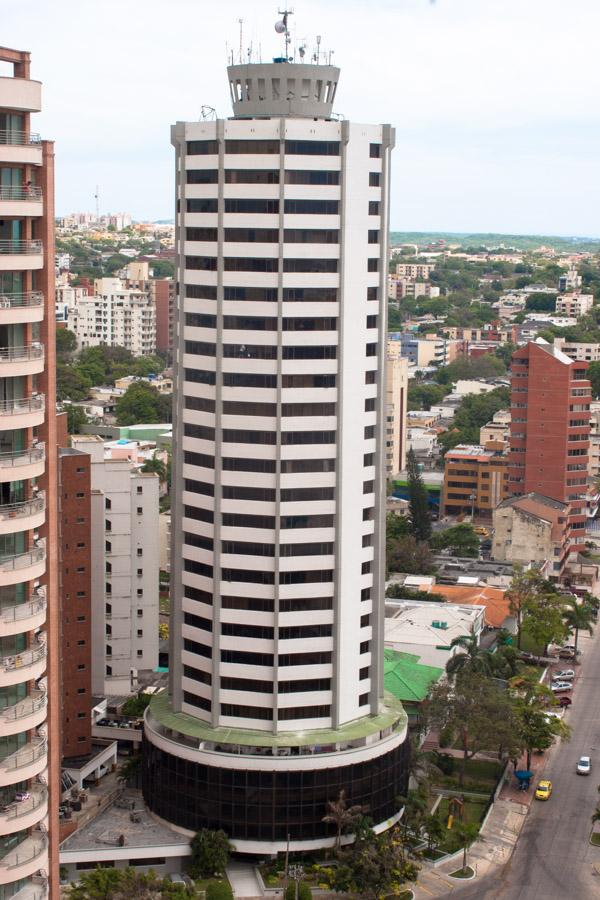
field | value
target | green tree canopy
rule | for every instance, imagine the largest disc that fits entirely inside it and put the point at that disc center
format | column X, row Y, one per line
column 126, row 884
column 460, row 539
column 140, row 404
column 411, row 556
column 66, row 342
column 75, row 419
column 420, row 516
column 210, row 853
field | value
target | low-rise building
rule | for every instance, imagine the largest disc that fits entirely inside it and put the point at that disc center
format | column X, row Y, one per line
column 498, row 430
column 533, row 529
column 570, row 280
column 574, row 304
column 578, row 350
column 475, row 479
column 409, row 681
column 420, row 271
column 427, row 629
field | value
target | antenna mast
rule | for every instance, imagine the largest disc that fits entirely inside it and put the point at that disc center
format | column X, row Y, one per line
column 281, row 27
column 241, row 21
column 97, row 199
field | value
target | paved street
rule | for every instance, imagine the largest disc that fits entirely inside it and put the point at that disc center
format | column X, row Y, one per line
column 553, row 858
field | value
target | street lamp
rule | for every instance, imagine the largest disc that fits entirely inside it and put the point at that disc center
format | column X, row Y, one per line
column 296, row 872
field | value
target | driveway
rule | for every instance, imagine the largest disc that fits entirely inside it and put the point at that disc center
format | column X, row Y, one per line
column 553, row 858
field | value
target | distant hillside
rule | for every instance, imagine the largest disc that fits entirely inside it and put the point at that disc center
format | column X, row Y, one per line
column 518, row 241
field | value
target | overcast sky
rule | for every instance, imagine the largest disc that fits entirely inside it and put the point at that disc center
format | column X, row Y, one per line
column 495, row 102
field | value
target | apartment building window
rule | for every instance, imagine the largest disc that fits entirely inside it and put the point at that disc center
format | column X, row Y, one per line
column 373, row 264
column 140, row 653
column 139, row 489
column 140, row 632
column 140, row 613
column 140, row 551
column 374, row 179
column 375, row 151
column 374, row 207
column 140, row 572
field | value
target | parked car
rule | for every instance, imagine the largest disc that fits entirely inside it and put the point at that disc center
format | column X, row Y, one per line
column 565, row 653
column 565, row 701
column 557, row 686
column 584, row 765
column 543, row 790
column 564, row 675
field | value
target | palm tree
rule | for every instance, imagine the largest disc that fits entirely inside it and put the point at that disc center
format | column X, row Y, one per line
column 473, row 659
column 342, row 816
column 468, row 834
column 579, row 617
column 156, row 465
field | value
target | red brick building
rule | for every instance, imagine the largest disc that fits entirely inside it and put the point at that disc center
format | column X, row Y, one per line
column 550, row 430
column 74, row 475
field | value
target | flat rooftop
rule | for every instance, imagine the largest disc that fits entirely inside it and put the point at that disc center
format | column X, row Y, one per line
column 104, row 831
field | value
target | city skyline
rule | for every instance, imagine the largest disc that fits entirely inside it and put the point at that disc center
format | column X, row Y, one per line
column 484, row 152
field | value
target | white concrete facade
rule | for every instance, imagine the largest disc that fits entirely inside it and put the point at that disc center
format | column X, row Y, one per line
column 125, row 561
column 114, row 315
column 278, row 422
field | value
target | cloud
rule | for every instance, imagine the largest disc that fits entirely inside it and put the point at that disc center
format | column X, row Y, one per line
column 494, row 101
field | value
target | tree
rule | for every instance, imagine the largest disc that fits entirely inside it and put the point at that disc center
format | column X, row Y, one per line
column 131, row 769
column 536, row 729
column 342, row 816
column 66, row 342
column 468, row 832
column 474, row 711
column 460, row 539
column 304, row 891
column 578, row 617
column 140, row 404
column 376, row 867
column 155, row 465
column 75, row 419
column 126, row 884
column 435, row 829
column 420, row 517
column 593, row 373
column 473, row 658
column 410, row 556
column 210, row 853
column 71, row 383
column 536, row 606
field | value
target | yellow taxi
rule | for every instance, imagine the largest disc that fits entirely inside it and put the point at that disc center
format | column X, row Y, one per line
column 482, row 531
column 543, row 790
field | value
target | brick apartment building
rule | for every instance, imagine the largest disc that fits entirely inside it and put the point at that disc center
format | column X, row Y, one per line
column 475, row 479
column 74, row 474
column 550, row 430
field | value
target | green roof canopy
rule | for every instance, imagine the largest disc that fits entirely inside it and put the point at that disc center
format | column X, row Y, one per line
column 406, row 678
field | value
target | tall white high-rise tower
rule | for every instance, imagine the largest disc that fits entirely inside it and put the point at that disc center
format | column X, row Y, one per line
column 276, row 700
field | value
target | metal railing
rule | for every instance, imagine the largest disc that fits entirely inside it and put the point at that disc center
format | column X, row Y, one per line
column 20, row 192
column 20, row 247
column 29, row 351
column 20, row 808
column 36, row 605
column 19, row 138
column 23, row 560
column 27, row 850
column 26, row 755
column 14, row 458
column 22, row 405
column 26, row 707
column 23, row 508
column 23, row 660
column 18, row 299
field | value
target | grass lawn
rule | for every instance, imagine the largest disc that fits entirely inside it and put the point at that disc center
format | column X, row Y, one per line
column 473, row 813
column 462, row 873
column 481, row 775
column 595, row 838
column 202, row 883
column 532, row 673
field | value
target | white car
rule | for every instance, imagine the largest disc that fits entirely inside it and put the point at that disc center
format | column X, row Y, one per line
column 584, row 765
column 564, row 675
column 558, row 686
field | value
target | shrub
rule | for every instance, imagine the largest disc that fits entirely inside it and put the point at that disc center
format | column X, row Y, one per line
column 304, row 892
column 445, row 763
column 219, row 890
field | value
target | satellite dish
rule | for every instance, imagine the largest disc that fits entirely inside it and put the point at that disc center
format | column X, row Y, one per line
column 280, row 27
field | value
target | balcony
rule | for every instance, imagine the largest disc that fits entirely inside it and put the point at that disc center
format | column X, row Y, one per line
column 23, row 516
column 28, row 713
column 20, row 255
column 22, row 567
column 27, row 306
column 21, row 200
column 21, row 465
column 36, row 890
column 23, row 666
column 24, row 616
column 25, row 860
column 21, row 147
column 16, row 361
column 24, row 412
column 22, row 814
column 29, row 761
